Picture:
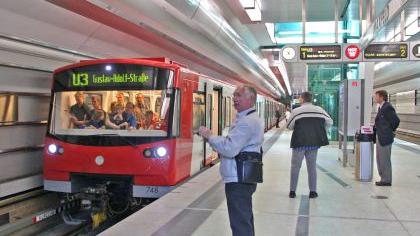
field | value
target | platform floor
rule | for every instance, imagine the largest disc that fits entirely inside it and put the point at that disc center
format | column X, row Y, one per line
column 344, row 206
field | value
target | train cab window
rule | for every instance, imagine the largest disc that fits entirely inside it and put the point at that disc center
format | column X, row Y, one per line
column 98, row 113
column 199, row 114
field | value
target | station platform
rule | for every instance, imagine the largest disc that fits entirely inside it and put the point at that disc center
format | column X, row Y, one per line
column 344, row 206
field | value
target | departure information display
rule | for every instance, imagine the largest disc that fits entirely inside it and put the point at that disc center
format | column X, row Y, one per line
column 386, row 51
column 321, row 52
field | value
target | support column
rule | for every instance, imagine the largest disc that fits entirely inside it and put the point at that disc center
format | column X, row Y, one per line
column 367, row 72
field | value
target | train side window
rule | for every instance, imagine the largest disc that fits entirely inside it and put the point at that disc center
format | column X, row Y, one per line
column 147, row 101
column 176, row 114
column 210, row 110
column 158, row 105
column 8, row 108
column 228, row 119
column 199, row 114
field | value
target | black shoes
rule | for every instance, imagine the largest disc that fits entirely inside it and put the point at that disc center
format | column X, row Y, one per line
column 313, row 194
column 292, row 194
column 380, row 183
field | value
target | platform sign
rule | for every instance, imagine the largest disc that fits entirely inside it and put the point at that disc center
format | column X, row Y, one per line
column 415, row 51
column 320, row 53
column 352, row 53
column 386, row 52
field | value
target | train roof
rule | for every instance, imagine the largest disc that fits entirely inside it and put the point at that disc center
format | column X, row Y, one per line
column 161, row 62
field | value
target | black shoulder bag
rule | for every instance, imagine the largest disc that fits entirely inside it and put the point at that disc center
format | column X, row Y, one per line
column 249, row 166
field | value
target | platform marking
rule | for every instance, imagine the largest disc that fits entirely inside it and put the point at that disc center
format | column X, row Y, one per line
column 272, row 140
column 407, row 148
column 332, row 176
column 302, row 225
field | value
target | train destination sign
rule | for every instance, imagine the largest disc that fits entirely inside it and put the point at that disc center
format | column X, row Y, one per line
column 89, row 79
column 320, row 52
column 386, row 51
column 110, row 76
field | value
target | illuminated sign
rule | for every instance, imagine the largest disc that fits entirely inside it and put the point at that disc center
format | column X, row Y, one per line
column 386, row 51
column 322, row 52
column 352, row 52
column 112, row 75
column 91, row 79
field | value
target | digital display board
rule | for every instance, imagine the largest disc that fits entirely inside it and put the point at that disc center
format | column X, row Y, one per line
column 321, row 52
column 112, row 76
column 386, row 51
column 97, row 79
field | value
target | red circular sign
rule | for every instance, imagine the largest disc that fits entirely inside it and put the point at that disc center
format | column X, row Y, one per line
column 352, row 52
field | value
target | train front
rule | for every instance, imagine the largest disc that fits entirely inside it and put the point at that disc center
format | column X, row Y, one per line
column 112, row 128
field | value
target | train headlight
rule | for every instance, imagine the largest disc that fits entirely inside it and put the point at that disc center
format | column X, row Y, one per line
column 60, row 150
column 161, row 151
column 155, row 152
column 147, row 153
column 52, row 149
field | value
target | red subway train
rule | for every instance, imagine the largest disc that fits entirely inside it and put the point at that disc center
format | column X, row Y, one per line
column 128, row 126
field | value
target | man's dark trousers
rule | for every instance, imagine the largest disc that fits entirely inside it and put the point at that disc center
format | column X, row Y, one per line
column 239, row 202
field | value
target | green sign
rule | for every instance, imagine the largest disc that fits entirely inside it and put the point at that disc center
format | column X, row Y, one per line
column 90, row 79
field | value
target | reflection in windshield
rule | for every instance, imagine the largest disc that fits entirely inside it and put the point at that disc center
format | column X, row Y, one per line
column 123, row 113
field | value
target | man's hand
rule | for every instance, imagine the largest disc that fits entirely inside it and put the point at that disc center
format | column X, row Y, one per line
column 204, row 132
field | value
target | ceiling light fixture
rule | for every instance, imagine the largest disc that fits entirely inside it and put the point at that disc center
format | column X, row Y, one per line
column 270, row 30
column 252, row 9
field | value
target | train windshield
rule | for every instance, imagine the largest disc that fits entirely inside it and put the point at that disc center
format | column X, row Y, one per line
column 128, row 100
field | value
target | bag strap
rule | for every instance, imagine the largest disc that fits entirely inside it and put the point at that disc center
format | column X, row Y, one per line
column 250, row 112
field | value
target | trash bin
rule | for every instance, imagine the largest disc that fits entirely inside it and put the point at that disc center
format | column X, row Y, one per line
column 364, row 156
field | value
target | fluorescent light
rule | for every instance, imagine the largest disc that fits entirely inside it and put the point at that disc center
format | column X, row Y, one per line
column 381, row 65
column 270, row 30
column 247, row 3
column 282, row 68
column 254, row 13
column 412, row 29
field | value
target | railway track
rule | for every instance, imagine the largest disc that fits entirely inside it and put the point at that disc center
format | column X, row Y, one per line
column 408, row 136
column 50, row 222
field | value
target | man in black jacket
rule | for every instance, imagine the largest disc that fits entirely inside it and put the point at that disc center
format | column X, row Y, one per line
column 309, row 123
column 386, row 122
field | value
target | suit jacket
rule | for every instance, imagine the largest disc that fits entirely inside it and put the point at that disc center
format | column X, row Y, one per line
column 386, row 122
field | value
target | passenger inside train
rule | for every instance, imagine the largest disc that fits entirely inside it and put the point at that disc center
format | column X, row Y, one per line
column 79, row 112
column 143, row 112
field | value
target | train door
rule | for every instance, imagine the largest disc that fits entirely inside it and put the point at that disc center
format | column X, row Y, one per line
column 216, row 116
column 199, row 119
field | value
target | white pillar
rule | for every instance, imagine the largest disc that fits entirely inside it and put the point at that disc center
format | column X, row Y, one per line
column 367, row 73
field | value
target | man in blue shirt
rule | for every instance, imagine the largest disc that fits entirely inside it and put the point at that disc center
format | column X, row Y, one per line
column 245, row 135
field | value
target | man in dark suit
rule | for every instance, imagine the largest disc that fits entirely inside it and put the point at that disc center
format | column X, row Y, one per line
column 386, row 122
